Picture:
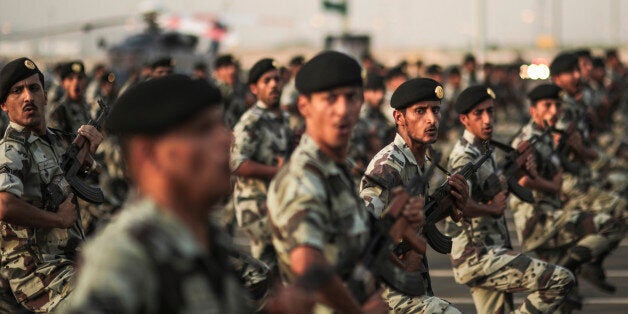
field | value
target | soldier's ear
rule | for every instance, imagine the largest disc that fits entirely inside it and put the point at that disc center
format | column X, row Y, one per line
column 253, row 88
column 399, row 117
column 463, row 119
column 303, row 105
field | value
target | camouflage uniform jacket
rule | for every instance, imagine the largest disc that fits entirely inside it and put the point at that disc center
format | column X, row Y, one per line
column 259, row 136
column 148, row 261
column 479, row 244
column 67, row 115
column 312, row 202
column 38, row 263
column 376, row 121
column 393, row 166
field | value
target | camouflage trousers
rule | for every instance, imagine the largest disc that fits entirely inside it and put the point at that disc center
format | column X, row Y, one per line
column 589, row 197
column 8, row 304
column 400, row 303
column 547, row 284
column 41, row 288
column 553, row 232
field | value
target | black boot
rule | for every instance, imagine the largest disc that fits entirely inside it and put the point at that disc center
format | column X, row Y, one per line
column 594, row 274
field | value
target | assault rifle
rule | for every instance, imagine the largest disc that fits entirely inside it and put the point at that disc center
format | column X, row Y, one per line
column 379, row 258
column 441, row 205
column 77, row 154
column 512, row 165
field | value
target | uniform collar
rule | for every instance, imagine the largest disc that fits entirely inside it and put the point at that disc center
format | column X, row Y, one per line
column 328, row 166
column 403, row 146
column 31, row 136
column 471, row 139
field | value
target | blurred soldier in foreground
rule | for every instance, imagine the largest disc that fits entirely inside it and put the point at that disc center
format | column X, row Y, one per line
column 162, row 254
column 482, row 256
column 317, row 218
column 262, row 143
column 417, row 112
column 39, row 238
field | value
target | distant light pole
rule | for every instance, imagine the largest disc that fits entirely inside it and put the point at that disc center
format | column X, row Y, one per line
column 479, row 29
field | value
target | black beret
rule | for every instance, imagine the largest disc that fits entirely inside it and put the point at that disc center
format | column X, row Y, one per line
column 261, row 67
column 224, row 60
column 108, row 77
column 545, row 91
column 416, row 90
column 73, row 67
column 374, row 81
column 395, row 72
column 598, row 62
column 328, row 70
column 564, row 62
column 472, row 96
column 16, row 71
column 434, row 69
column 583, row 53
column 162, row 62
column 155, row 106
column 297, row 60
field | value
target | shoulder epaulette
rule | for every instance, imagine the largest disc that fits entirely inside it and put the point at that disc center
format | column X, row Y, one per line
column 16, row 136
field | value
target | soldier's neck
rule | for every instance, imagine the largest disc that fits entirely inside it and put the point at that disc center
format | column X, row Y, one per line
column 418, row 149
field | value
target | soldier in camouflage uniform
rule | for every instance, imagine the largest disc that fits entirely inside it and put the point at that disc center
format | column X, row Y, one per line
column 38, row 241
column 67, row 115
column 372, row 131
column 417, row 112
column 71, row 111
column 580, row 237
column 233, row 92
column 579, row 186
column 162, row 254
column 262, row 141
column 482, row 255
column 317, row 218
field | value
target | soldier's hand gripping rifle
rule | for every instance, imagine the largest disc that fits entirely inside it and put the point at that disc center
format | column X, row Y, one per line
column 513, row 167
column 564, row 149
column 440, row 204
column 379, row 257
column 73, row 160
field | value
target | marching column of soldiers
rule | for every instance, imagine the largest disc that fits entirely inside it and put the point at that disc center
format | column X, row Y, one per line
column 332, row 174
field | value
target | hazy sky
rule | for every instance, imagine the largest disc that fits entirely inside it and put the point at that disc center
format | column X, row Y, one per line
column 393, row 24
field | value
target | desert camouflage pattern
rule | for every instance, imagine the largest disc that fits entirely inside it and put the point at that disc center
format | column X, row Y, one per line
column 66, row 115
column 399, row 303
column 545, row 226
column 147, row 261
column 482, row 256
column 259, row 136
column 582, row 188
column 37, row 263
column 394, row 166
column 312, row 202
column 369, row 135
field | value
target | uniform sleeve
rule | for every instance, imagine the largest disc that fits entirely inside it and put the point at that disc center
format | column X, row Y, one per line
column 299, row 213
column 113, row 278
column 14, row 165
column 458, row 159
column 376, row 185
column 245, row 143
